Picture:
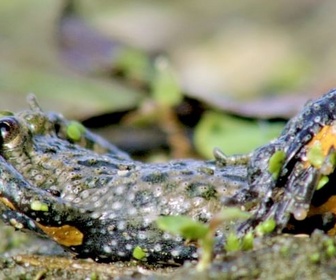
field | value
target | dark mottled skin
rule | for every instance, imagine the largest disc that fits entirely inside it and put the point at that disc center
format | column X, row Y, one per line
column 91, row 186
column 112, row 200
column 291, row 193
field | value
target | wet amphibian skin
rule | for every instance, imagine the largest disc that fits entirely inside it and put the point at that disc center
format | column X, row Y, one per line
column 93, row 199
column 292, row 176
column 59, row 180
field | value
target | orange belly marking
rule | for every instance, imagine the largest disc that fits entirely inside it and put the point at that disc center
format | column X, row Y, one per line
column 9, row 204
column 326, row 138
column 65, row 235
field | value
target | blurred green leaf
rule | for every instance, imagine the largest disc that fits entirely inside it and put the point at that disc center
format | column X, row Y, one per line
column 232, row 135
column 135, row 64
column 165, row 87
column 289, row 75
column 233, row 213
column 63, row 92
column 184, row 226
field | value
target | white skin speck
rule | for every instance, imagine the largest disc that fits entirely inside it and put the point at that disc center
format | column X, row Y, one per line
column 107, row 249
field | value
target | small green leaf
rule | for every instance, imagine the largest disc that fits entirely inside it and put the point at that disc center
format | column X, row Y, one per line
column 226, row 215
column 275, row 163
column 266, row 227
column 232, row 243
column 39, row 206
column 5, row 114
column 234, row 213
column 184, row 226
column 269, row 225
column 247, row 241
column 231, row 134
column 75, row 130
column 323, row 180
column 315, row 155
column 139, row 253
column 331, row 250
column 165, row 87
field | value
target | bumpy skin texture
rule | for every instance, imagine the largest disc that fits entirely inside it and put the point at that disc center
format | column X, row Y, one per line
column 292, row 191
column 95, row 201
column 102, row 205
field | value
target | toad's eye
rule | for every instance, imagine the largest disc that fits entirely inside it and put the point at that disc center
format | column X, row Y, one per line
column 9, row 129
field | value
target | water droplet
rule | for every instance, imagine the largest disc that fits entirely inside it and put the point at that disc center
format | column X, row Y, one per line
column 300, row 213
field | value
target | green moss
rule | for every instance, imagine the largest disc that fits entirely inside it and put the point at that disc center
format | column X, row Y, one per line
column 232, row 243
column 315, row 258
column 284, row 250
column 331, row 250
column 94, row 276
column 330, row 247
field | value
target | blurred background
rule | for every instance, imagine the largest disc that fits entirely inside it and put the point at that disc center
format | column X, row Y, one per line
column 174, row 77
column 165, row 79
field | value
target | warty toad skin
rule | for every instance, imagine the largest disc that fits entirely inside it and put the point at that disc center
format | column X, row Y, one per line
column 102, row 205
column 96, row 202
